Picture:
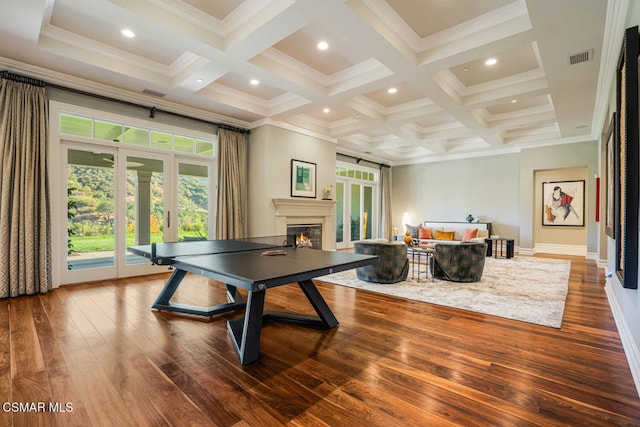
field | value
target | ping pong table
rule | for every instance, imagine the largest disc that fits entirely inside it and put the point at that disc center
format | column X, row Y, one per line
column 254, row 265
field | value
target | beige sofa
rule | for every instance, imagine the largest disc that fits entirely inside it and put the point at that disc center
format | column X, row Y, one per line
column 450, row 232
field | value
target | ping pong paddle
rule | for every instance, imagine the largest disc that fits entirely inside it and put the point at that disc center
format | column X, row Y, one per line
column 276, row 252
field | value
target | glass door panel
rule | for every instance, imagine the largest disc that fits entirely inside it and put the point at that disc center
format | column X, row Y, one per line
column 367, row 211
column 193, row 202
column 355, row 212
column 90, row 209
column 145, row 210
column 340, row 215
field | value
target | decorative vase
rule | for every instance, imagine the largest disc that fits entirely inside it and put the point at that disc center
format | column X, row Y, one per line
column 470, row 218
column 407, row 237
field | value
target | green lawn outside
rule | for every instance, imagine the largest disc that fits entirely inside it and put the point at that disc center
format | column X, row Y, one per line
column 104, row 243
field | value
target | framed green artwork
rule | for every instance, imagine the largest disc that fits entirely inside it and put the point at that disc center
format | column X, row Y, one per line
column 303, row 179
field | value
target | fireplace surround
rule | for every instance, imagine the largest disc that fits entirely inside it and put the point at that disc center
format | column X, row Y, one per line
column 292, row 211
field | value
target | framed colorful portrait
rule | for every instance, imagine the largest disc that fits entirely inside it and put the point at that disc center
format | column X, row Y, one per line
column 563, row 203
column 303, row 179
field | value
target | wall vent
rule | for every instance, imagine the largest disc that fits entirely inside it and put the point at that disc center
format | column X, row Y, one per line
column 153, row 93
column 584, row 56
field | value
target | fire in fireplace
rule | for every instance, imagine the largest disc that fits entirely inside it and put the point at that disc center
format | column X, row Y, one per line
column 305, row 235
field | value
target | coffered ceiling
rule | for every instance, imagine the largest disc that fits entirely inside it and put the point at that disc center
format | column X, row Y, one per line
column 198, row 57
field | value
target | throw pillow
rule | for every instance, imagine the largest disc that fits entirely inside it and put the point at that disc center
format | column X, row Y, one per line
column 483, row 233
column 444, row 235
column 413, row 230
column 469, row 233
column 424, row 233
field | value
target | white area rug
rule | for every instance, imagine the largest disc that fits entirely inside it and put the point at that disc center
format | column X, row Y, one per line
column 529, row 289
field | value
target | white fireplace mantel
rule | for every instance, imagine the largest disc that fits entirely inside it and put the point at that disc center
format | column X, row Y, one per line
column 307, row 211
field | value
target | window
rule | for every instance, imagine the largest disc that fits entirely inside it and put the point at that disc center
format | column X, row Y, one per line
column 74, row 125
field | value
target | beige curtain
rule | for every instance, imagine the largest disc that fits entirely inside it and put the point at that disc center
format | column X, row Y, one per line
column 25, row 223
column 386, row 223
column 231, row 215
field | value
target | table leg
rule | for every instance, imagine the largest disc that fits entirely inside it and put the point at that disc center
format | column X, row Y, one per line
column 324, row 319
column 510, row 244
column 245, row 332
column 413, row 264
column 169, row 289
column 163, row 302
column 489, row 243
column 319, row 304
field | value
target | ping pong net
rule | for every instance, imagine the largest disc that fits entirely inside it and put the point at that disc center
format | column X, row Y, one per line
column 165, row 253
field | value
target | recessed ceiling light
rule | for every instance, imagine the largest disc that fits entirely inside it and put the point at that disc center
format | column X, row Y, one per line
column 199, row 80
column 465, row 69
column 491, row 61
column 513, row 101
column 392, row 90
column 326, row 110
column 128, row 33
column 323, row 45
column 254, row 82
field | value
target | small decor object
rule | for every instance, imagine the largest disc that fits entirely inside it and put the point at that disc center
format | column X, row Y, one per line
column 303, row 179
column 563, row 203
column 407, row 237
column 365, row 215
column 326, row 192
column 470, row 218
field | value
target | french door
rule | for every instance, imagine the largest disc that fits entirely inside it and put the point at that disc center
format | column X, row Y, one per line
column 356, row 213
column 119, row 197
column 144, row 206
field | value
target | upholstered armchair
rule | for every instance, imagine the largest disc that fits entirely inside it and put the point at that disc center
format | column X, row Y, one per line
column 459, row 263
column 392, row 266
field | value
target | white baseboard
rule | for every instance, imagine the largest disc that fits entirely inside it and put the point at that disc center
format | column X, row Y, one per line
column 526, row 251
column 593, row 256
column 630, row 349
column 545, row 248
column 551, row 248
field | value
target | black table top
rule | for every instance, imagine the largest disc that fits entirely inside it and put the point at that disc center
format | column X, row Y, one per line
column 246, row 269
column 249, row 265
column 165, row 253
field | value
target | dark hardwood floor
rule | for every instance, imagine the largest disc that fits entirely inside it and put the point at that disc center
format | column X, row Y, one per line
column 104, row 358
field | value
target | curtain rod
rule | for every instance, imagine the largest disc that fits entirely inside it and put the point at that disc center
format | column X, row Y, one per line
column 152, row 110
column 360, row 159
column 21, row 79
